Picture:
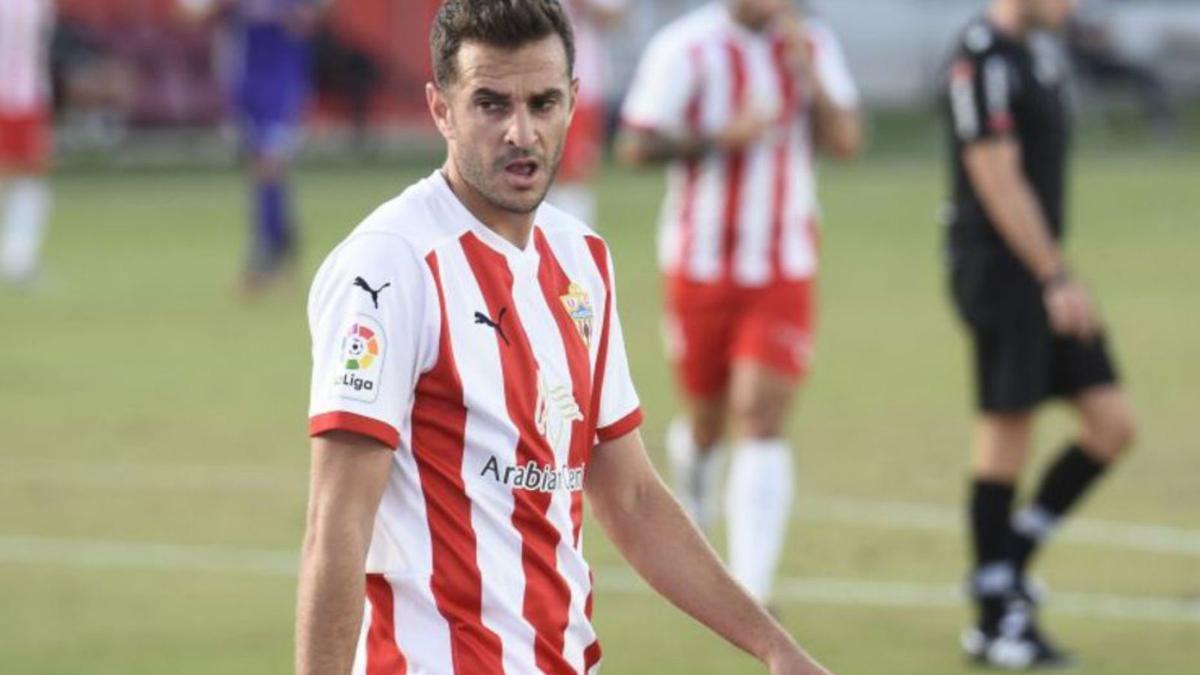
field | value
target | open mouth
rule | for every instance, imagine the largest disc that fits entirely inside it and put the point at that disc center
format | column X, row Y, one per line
column 522, row 168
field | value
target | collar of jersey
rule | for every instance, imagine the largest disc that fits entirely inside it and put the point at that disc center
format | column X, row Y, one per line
column 486, row 234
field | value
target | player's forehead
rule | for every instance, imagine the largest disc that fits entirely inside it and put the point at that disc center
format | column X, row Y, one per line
column 532, row 68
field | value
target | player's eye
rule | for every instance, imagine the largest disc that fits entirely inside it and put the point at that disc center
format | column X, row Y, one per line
column 544, row 104
column 490, row 105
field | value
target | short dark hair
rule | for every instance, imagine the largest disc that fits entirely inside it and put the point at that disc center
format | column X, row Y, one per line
column 498, row 23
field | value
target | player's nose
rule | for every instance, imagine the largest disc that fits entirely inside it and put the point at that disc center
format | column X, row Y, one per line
column 521, row 132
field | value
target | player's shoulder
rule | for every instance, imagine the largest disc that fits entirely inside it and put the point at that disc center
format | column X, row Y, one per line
column 400, row 233
column 558, row 225
column 691, row 29
column 419, row 219
column 979, row 40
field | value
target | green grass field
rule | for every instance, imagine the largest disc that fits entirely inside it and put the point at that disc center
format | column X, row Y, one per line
column 153, row 463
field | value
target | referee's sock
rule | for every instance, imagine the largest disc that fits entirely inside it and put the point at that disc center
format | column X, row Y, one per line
column 757, row 508
column 1063, row 486
column 994, row 577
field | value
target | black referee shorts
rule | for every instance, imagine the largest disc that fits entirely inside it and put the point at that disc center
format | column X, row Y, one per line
column 1020, row 364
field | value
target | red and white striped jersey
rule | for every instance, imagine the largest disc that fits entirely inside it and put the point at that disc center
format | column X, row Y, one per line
column 492, row 371
column 745, row 217
column 25, row 31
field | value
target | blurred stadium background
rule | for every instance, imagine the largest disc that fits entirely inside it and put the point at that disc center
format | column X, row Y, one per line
column 152, row 472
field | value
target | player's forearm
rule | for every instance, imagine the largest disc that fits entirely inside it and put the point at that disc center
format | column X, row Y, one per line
column 836, row 130
column 642, row 148
column 330, row 601
column 652, row 532
column 1021, row 223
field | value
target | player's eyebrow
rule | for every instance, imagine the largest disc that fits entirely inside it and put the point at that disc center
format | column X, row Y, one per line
column 550, row 95
column 491, row 94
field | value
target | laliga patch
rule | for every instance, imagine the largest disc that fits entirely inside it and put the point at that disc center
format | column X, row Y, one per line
column 362, row 351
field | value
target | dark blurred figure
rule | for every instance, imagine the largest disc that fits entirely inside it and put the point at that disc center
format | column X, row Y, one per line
column 349, row 74
column 1097, row 60
column 1035, row 330
column 267, row 69
column 25, row 112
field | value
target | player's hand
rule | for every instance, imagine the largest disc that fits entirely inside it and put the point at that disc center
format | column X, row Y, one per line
column 795, row 662
column 747, row 127
column 798, row 44
column 1071, row 310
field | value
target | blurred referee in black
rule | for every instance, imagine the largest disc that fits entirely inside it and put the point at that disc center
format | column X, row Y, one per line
column 1035, row 330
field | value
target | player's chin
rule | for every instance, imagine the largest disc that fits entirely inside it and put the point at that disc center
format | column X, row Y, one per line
column 523, row 196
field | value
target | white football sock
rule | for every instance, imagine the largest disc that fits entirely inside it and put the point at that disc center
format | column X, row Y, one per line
column 695, row 475
column 577, row 199
column 25, row 211
column 757, row 509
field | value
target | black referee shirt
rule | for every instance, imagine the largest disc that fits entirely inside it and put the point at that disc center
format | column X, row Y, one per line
column 1000, row 87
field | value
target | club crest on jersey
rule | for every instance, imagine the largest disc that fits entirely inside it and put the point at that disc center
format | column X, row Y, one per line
column 361, row 358
column 579, row 307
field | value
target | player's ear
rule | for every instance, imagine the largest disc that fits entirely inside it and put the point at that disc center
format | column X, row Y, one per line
column 439, row 109
column 574, row 100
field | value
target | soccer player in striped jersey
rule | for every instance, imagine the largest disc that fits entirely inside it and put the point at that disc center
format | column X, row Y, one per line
column 470, row 387
column 25, row 108
column 736, row 98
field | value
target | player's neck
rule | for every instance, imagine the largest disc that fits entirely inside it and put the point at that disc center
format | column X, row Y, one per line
column 1006, row 16
column 513, row 227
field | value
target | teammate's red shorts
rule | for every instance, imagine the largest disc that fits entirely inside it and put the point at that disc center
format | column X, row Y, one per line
column 585, row 138
column 709, row 327
column 24, row 142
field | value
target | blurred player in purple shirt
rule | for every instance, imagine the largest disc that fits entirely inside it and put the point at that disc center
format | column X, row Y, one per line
column 266, row 65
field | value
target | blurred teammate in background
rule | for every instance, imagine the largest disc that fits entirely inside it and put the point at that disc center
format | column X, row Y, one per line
column 470, row 386
column 26, row 27
column 736, row 97
column 572, row 190
column 265, row 59
column 1035, row 330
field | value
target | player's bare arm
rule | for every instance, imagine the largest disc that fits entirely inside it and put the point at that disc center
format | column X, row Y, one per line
column 642, row 147
column 994, row 167
column 654, row 534
column 348, row 475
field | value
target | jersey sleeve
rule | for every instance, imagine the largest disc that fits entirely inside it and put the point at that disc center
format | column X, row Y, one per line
column 663, row 85
column 832, row 68
column 620, row 410
column 367, row 314
column 981, row 91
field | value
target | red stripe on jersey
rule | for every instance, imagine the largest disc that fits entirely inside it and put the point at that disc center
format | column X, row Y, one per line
column 439, row 419
column 735, row 161
column 547, row 597
column 691, row 168
column 591, row 655
column 782, row 160
column 356, row 424
column 383, row 654
column 555, row 285
column 621, row 427
column 600, row 257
